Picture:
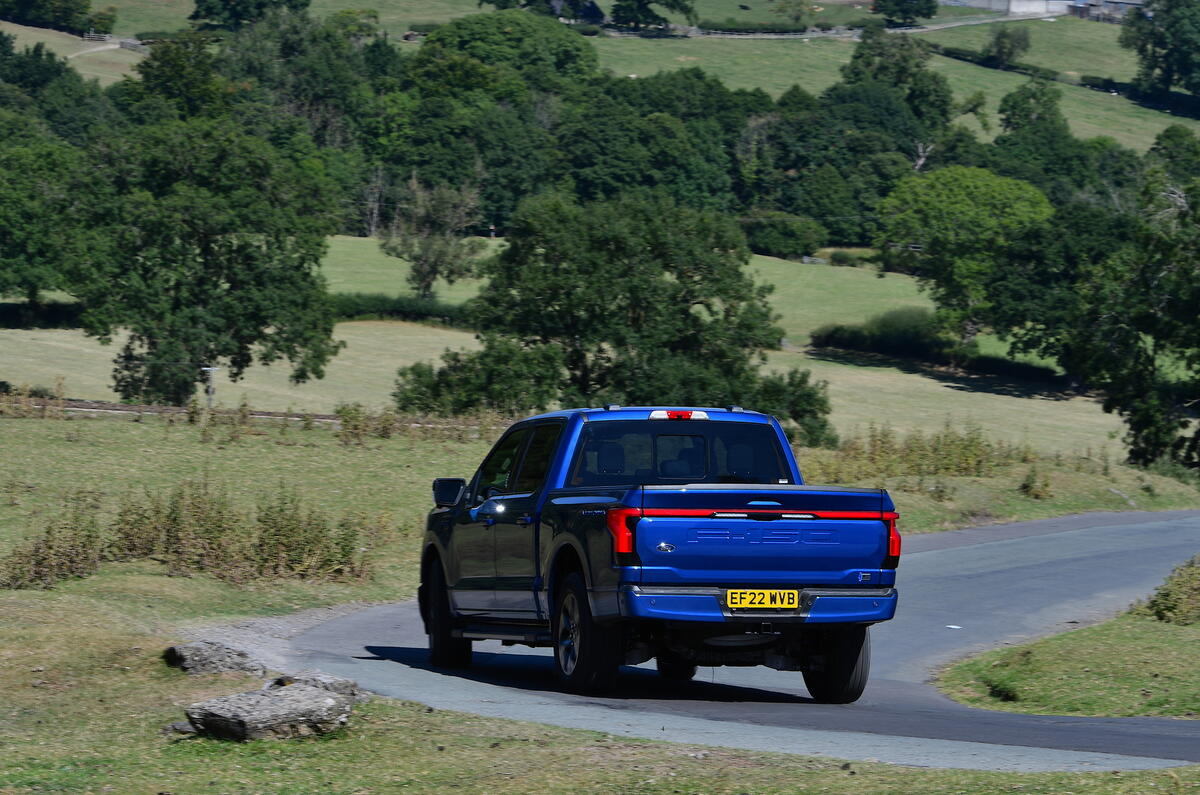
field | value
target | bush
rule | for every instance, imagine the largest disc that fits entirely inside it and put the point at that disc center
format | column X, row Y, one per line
column 779, row 234
column 424, row 27
column 54, row 314
column 1098, row 82
column 586, row 29
column 909, row 331
column 1177, row 601
column 912, row 333
column 848, row 258
column 69, row 547
column 731, row 25
column 824, row 26
column 375, row 306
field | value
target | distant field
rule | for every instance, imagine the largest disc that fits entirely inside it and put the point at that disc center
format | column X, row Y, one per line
column 357, row 265
column 1066, row 44
column 107, row 65
column 814, row 65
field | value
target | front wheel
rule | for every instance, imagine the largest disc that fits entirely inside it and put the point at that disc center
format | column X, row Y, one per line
column 838, row 671
column 445, row 650
column 585, row 653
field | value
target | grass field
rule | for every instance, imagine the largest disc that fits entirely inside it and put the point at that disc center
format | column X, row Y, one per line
column 1072, row 46
column 1131, row 665
column 107, row 66
column 814, row 64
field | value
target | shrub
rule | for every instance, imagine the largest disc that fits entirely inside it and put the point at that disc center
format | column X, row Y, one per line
column 824, row 26
column 1035, row 486
column 847, row 258
column 424, row 27
column 779, row 234
column 375, row 306
column 1177, row 601
column 586, row 29
column 909, row 331
column 1098, row 82
column 882, row 453
column 68, row 547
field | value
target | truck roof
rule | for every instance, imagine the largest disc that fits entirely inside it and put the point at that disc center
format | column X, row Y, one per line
column 613, row 412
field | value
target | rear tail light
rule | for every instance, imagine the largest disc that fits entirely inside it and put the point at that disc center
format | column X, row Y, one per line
column 893, row 553
column 621, row 522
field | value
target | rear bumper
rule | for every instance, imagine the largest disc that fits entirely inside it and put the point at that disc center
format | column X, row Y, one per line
column 817, row 605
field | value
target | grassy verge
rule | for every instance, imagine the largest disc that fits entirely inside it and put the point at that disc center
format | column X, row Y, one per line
column 86, row 695
column 1141, row 663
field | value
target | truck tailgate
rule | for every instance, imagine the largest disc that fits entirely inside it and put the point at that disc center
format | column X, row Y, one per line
column 717, row 534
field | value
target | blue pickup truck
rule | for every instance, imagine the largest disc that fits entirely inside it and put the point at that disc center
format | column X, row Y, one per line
column 616, row 535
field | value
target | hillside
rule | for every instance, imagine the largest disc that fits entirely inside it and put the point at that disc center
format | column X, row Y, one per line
column 814, row 65
column 106, row 63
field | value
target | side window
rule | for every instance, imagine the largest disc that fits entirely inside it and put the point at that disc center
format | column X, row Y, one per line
column 537, row 458
column 498, row 468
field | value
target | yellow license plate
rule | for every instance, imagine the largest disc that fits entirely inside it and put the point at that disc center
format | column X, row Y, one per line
column 762, row 600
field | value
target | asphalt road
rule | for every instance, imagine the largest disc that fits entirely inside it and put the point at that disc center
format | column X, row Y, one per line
column 960, row 592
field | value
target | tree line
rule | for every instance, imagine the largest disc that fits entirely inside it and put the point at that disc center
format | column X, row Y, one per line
column 188, row 205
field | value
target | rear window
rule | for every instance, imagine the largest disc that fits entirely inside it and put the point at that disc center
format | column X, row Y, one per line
column 652, row 452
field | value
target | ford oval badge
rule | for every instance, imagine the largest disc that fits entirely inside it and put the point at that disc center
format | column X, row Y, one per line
column 665, row 547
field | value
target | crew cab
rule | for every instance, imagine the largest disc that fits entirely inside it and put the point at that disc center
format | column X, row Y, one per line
column 616, row 535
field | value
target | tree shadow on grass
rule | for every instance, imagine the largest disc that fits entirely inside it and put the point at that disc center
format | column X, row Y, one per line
column 534, row 673
column 1051, row 388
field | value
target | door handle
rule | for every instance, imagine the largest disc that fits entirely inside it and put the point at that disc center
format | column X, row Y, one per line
column 525, row 519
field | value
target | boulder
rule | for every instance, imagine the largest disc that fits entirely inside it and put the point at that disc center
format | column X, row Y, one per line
column 206, row 657
column 275, row 713
column 319, row 679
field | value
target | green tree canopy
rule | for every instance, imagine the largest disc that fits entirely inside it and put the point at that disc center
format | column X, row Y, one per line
column 214, row 244
column 639, row 14
column 952, row 228
column 1008, row 43
column 514, row 38
column 904, row 12
column 1165, row 34
column 234, row 14
column 635, row 300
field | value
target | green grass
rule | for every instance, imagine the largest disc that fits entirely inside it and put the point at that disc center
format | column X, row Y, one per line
column 358, row 265
column 1130, row 665
column 1068, row 45
column 107, row 66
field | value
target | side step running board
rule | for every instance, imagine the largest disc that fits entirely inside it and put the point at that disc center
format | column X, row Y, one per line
column 512, row 633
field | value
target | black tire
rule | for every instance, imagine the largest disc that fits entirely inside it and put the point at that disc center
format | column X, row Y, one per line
column 585, row 653
column 445, row 651
column 674, row 669
column 838, row 674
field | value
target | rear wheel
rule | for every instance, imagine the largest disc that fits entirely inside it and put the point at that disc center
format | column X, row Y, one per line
column 445, row 651
column 585, row 653
column 675, row 669
column 840, row 666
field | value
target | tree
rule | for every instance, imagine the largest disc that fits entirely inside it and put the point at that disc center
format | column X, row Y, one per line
column 1178, row 149
column 901, row 63
column 1165, row 34
column 184, row 72
column 40, row 234
column 1008, row 43
column 794, row 11
column 904, row 12
column 952, row 228
column 213, row 247
column 528, row 43
column 1035, row 102
column 233, row 14
column 430, row 230
column 638, row 14
column 635, row 300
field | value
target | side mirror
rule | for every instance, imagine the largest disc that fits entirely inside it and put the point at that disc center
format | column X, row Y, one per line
column 448, row 491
